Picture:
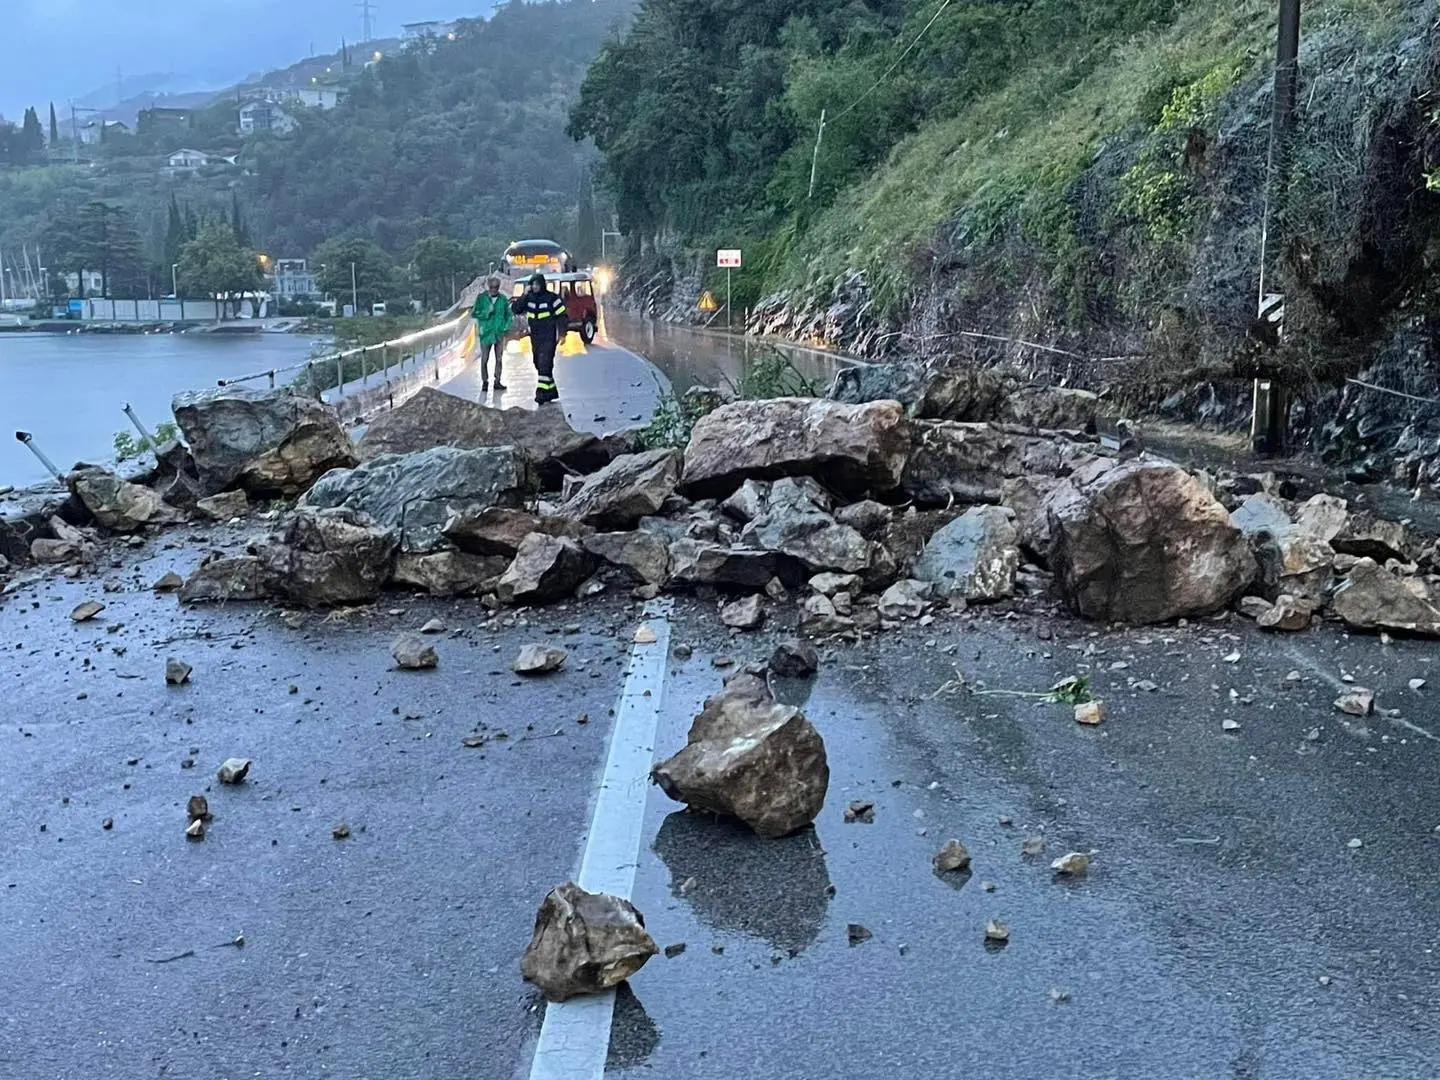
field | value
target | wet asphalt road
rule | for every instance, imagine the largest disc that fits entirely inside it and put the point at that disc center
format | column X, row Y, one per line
column 1226, row 929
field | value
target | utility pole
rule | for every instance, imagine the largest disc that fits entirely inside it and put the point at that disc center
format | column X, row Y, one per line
column 354, row 291
column 1270, row 411
column 366, row 13
column 815, row 156
column 604, row 235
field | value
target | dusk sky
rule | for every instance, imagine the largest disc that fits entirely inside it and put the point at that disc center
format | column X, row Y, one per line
column 55, row 50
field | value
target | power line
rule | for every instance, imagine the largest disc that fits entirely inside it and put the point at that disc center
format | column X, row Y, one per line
column 366, row 12
column 820, row 132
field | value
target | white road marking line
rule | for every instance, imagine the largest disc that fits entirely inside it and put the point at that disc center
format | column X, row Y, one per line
column 575, row 1036
column 1340, row 686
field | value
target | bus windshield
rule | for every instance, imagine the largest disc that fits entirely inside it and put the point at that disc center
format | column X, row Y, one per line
column 536, row 256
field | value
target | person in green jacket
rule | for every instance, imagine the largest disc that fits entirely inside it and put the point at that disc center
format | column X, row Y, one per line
column 492, row 324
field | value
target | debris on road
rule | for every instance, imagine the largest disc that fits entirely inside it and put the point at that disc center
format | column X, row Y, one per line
column 177, row 672
column 794, row 659
column 414, row 653
column 433, row 626
column 1229, row 725
column 86, row 611
column 997, row 932
column 168, row 582
column 855, row 933
column 645, row 635
column 340, row 832
column 861, row 810
column 1417, row 684
column 952, row 857
column 1032, row 846
column 535, row 659
column 672, row 951
column 197, row 808
column 743, row 614
column 234, row 770
column 1090, row 712
column 196, row 829
column 1357, row 701
column 585, row 943
column 750, row 758
column 1073, row 865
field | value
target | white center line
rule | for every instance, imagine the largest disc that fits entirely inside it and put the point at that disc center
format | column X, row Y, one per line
column 575, row 1036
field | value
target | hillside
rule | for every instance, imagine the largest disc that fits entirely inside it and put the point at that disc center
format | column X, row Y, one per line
column 1090, row 177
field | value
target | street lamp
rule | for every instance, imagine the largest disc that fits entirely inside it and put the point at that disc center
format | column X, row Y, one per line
column 175, row 280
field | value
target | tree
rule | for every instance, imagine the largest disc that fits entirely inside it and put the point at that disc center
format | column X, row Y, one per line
column 98, row 237
column 237, row 224
column 54, row 128
column 587, row 226
column 32, row 136
column 443, row 267
column 215, row 265
column 375, row 276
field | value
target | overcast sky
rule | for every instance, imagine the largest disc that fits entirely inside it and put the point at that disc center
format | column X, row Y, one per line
column 59, row 49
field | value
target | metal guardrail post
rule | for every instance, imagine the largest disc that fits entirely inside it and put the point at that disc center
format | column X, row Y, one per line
column 146, row 438
column 272, row 378
column 340, row 372
column 25, row 437
column 364, row 367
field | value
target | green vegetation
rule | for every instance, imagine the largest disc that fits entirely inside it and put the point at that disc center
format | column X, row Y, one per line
column 128, row 445
column 769, row 375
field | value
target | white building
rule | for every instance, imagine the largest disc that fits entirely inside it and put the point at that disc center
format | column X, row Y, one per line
column 433, row 30
column 293, row 280
column 95, row 130
column 257, row 117
column 188, row 160
column 312, row 97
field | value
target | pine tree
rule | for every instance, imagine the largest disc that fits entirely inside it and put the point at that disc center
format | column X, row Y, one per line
column 32, row 136
column 237, row 223
column 54, row 128
column 192, row 224
column 587, row 226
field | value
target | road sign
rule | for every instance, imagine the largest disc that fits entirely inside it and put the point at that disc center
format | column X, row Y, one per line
column 707, row 301
column 728, row 258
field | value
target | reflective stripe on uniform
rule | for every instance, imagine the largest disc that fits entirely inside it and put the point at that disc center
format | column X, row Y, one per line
column 540, row 315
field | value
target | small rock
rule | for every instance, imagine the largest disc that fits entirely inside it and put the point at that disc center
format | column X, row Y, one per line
column 540, row 659
column 746, row 614
column 672, row 951
column 987, row 886
column 341, row 831
column 473, row 742
column 1033, row 846
column 1253, row 606
column 997, row 931
column 683, row 652
column 1357, row 701
column 197, row 807
column 1416, row 684
column 234, row 770
column 196, row 829
column 177, row 672
column 585, row 943
column 1325, row 980
column 1073, row 864
column 857, row 933
column 860, row 810
column 645, row 634
column 723, row 661
column 1229, row 725
column 1231, row 658
column 86, row 611
column 169, row 582
column 108, row 823
column 794, row 659
column 1089, row 712
column 414, row 653
column 1355, row 844
column 434, row 626
column 953, row 856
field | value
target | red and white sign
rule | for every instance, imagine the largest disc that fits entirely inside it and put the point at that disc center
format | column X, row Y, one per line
column 728, row 258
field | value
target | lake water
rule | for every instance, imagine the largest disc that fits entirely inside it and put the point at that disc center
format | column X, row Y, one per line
column 67, row 390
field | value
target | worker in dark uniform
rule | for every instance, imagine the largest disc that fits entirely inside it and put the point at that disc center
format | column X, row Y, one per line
column 544, row 314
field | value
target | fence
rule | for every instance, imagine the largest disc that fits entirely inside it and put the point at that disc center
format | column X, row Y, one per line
column 150, row 311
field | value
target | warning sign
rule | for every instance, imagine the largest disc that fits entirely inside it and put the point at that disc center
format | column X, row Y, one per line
column 707, row 302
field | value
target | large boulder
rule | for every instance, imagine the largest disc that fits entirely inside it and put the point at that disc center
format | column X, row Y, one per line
column 448, row 573
column 970, row 394
column 119, row 505
column 269, row 442
column 624, row 491
column 702, row 562
column 224, row 578
column 973, row 557
column 416, row 494
column 545, row 568
column 645, row 555
column 854, row 447
column 584, row 943
column 499, row 530
column 969, row 463
column 328, row 557
column 1371, row 598
column 750, row 758
column 1144, row 543
column 811, row 537
column 1293, row 559
column 1368, row 537
column 434, row 418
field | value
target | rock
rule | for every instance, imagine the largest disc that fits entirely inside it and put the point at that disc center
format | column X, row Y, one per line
column 809, row 535
column 748, row 501
column 340, row 832
column 1030, row 499
column 449, row 573
column 499, row 530
column 861, row 810
column 997, row 932
column 744, row 614
column 197, row 808
column 1090, row 712
column 672, row 951
column 904, row 600
column 854, row 447
column 952, row 857
column 326, row 558
column 118, row 505
column 238, row 577
column 1372, row 599
column 857, row 934
column 1261, row 513
column 176, row 480
column 1294, row 562
column 433, row 626
column 539, row 660
column 195, row 830
column 794, row 659
column 1252, row 607
column 86, row 611
column 585, row 943
column 1356, row 701
column 699, row 562
column 234, row 770
column 49, row 552
column 1368, row 537
column 645, row 635
column 1323, row 516
column 177, row 672
column 1229, row 725
column 1145, row 543
column 867, row 517
column 828, row 584
column 1071, row 865
column 434, row 418
column 1417, row 684
column 223, row 507
column 168, row 582
column 417, row 494
column 1289, row 614
column 974, row 557
column 629, row 488
column 413, row 653
column 969, row 463
column 269, row 442
column 545, row 568
column 645, row 556
column 1032, row 846
column 750, row 758
column 819, row 617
